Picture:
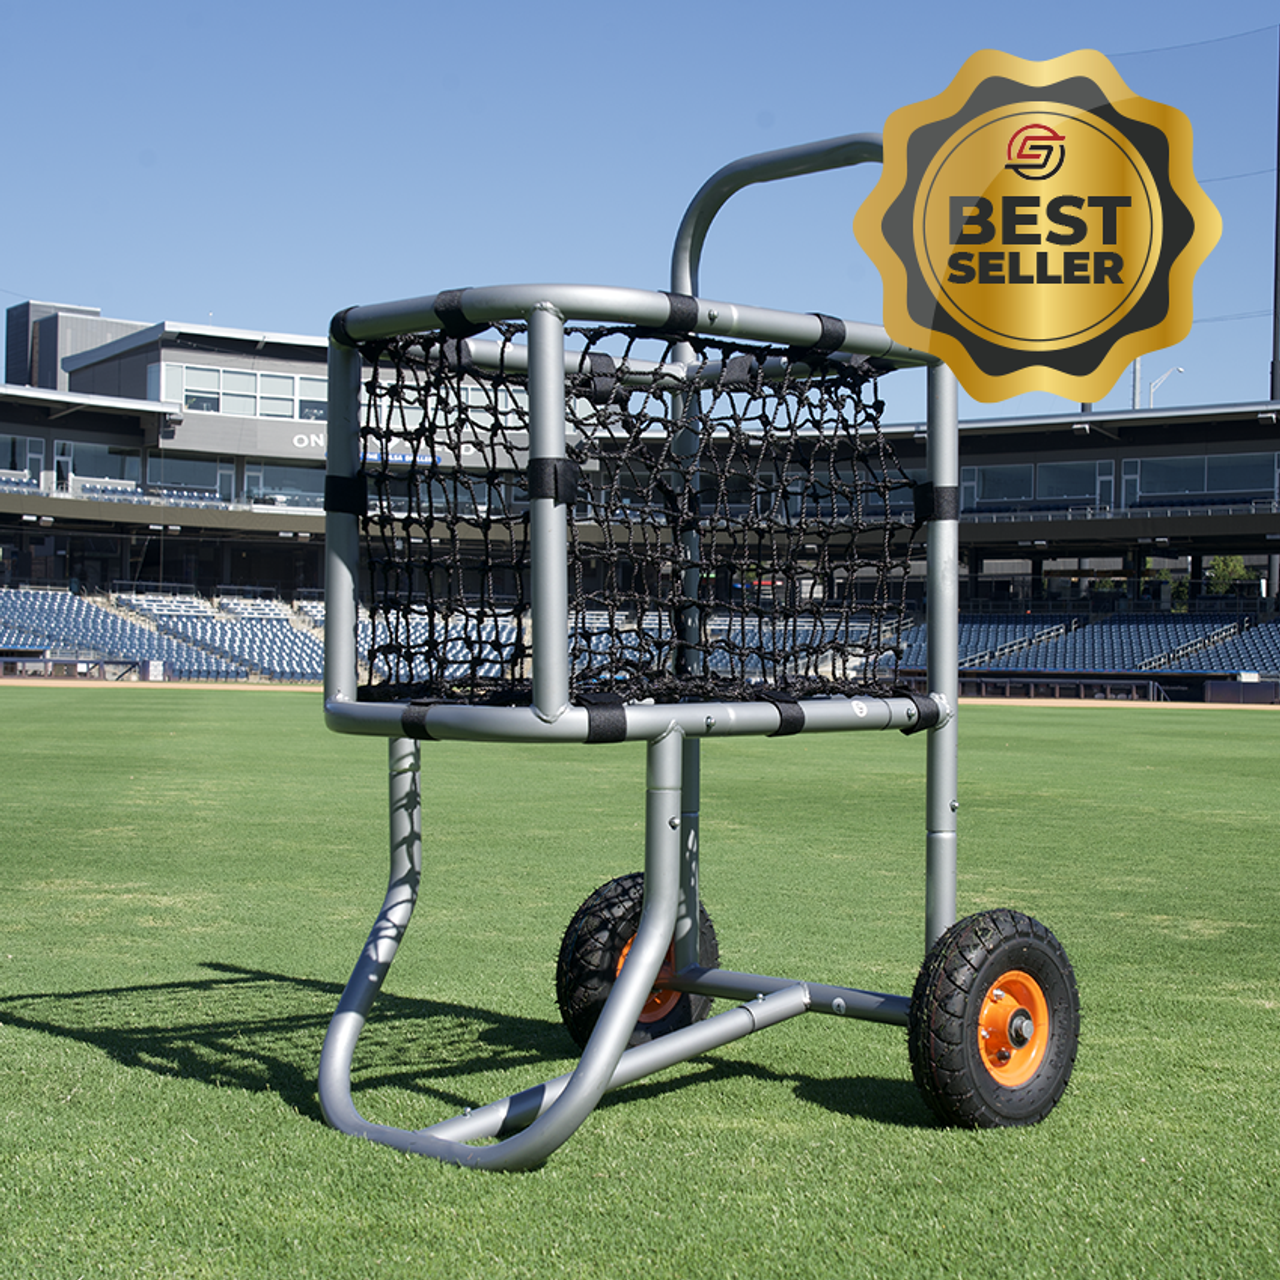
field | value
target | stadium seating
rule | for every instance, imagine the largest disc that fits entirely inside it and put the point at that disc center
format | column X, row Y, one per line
column 1118, row 642
column 1257, row 649
column 59, row 621
column 244, row 637
column 252, row 633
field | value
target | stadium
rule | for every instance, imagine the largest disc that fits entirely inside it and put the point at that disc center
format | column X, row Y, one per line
column 161, row 517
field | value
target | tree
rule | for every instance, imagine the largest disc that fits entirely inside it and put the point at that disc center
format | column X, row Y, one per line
column 1224, row 573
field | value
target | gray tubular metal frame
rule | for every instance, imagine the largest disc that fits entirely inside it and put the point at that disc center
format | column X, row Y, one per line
column 530, row 1125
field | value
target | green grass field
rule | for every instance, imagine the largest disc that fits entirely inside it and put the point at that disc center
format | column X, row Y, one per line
column 187, row 875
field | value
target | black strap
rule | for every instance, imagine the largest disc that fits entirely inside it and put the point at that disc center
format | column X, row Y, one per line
column 413, row 719
column 738, row 372
column 338, row 329
column 554, row 478
column 606, row 717
column 935, row 502
column 601, row 379
column 830, row 339
column 448, row 307
column 790, row 714
column 346, row 495
column 927, row 711
column 682, row 313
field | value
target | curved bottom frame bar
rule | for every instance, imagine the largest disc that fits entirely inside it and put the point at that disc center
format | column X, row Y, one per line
column 530, row 1125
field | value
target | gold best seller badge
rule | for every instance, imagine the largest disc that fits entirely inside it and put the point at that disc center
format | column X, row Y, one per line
column 1037, row 226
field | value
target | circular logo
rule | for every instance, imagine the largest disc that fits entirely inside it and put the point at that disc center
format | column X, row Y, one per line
column 1049, row 250
column 1037, row 226
column 1033, row 154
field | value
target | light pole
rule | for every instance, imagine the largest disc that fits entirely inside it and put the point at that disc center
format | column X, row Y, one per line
column 1155, row 386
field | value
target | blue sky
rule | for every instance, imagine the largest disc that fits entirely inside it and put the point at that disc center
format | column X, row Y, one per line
column 264, row 165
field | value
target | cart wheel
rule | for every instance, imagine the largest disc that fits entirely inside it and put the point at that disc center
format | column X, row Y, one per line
column 597, row 942
column 994, row 1022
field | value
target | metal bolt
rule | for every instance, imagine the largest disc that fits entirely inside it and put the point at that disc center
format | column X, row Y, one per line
column 955, row 804
column 711, row 723
column 1003, row 1055
column 713, row 316
column 673, row 823
column 837, row 1005
column 1021, row 1028
column 997, row 994
column 986, row 1035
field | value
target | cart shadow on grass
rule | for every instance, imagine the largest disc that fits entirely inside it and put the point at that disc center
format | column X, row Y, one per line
column 242, row 1028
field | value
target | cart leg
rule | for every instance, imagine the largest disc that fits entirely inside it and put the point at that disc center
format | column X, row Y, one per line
column 688, row 928
column 943, row 660
column 384, row 938
column 555, row 1111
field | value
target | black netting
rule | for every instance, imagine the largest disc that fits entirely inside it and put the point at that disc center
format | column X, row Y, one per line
column 739, row 525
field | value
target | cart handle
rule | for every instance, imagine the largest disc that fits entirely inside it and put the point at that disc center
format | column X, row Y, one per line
column 767, row 166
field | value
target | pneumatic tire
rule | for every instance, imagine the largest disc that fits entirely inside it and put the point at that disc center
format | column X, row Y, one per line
column 591, row 955
column 994, row 1022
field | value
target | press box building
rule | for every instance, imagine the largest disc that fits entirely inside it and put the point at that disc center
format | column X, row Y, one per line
column 159, row 452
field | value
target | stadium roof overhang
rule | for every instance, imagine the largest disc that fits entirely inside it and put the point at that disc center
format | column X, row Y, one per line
column 206, row 336
column 1169, row 532
column 1117, row 424
column 63, row 514
column 61, row 404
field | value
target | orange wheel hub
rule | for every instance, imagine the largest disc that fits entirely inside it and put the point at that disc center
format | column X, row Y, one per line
column 1013, row 1028
column 661, row 999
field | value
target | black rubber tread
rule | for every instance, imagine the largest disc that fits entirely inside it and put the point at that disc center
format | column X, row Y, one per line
column 588, row 962
column 942, row 1033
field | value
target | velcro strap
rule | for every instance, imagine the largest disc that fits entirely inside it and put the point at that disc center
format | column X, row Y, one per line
column 682, row 316
column 448, row 307
column 600, row 380
column 554, row 478
column 935, row 502
column 413, row 719
column 346, row 495
column 790, row 714
column 606, row 717
column 738, row 372
column 830, row 339
column 927, row 710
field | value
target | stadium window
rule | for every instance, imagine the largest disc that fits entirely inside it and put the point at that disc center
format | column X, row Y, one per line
column 171, row 382
column 200, row 388
column 1129, row 482
column 240, row 392
column 1241, row 473
column 106, row 462
column 13, row 448
column 182, row 471
column 1066, row 480
column 1106, row 482
column 1006, row 484
column 296, row 483
column 275, row 395
column 313, row 399
column 1171, row 475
